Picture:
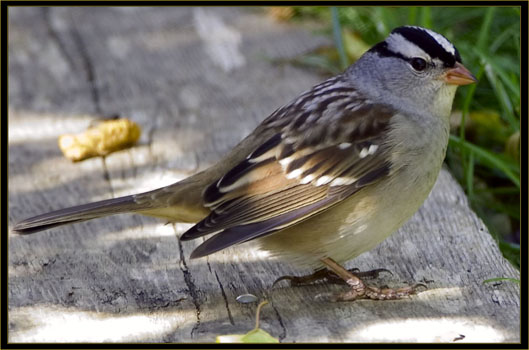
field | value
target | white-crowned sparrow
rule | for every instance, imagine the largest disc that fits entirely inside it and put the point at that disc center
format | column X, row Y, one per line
column 327, row 176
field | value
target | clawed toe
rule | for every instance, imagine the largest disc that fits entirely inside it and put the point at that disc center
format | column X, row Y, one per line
column 354, row 279
column 372, row 274
column 318, row 275
column 360, row 290
column 329, row 276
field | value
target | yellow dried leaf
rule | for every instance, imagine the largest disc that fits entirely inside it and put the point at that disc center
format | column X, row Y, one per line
column 107, row 137
column 254, row 336
column 512, row 146
column 281, row 13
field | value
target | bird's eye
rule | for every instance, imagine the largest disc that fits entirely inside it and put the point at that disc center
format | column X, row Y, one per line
column 418, row 64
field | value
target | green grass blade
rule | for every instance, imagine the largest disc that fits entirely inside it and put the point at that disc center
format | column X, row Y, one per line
column 338, row 40
column 499, row 279
column 512, row 31
column 492, row 71
column 492, row 160
column 485, row 28
column 412, row 15
column 426, row 17
column 466, row 103
column 469, row 175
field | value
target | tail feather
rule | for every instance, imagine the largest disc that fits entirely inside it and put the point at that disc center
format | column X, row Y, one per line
column 181, row 201
column 77, row 214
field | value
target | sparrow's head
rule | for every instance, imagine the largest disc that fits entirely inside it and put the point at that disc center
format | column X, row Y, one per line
column 413, row 68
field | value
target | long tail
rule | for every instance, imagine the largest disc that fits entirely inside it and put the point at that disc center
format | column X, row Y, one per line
column 179, row 202
column 77, row 214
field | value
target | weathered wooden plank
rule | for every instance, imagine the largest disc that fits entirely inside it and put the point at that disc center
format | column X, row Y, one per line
column 128, row 278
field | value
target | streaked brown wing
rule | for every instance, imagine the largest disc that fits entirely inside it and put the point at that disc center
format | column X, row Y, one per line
column 314, row 160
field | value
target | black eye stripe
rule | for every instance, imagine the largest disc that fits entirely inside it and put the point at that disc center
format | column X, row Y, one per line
column 382, row 49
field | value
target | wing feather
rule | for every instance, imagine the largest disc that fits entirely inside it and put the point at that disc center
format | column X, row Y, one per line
column 324, row 149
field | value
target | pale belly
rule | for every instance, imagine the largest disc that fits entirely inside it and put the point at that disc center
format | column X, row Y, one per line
column 354, row 226
column 366, row 218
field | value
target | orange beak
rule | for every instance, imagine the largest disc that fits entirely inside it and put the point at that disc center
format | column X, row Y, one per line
column 459, row 75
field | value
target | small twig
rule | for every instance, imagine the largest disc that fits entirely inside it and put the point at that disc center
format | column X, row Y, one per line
column 261, row 304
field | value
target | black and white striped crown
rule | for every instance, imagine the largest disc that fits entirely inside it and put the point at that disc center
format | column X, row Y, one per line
column 408, row 41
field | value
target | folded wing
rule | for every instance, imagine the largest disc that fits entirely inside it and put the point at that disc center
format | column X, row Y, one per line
column 328, row 144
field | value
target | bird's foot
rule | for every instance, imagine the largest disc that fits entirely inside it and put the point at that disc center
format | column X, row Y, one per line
column 328, row 276
column 318, row 275
column 361, row 290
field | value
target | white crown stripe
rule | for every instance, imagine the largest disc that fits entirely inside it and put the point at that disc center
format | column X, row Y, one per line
column 447, row 45
column 399, row 44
